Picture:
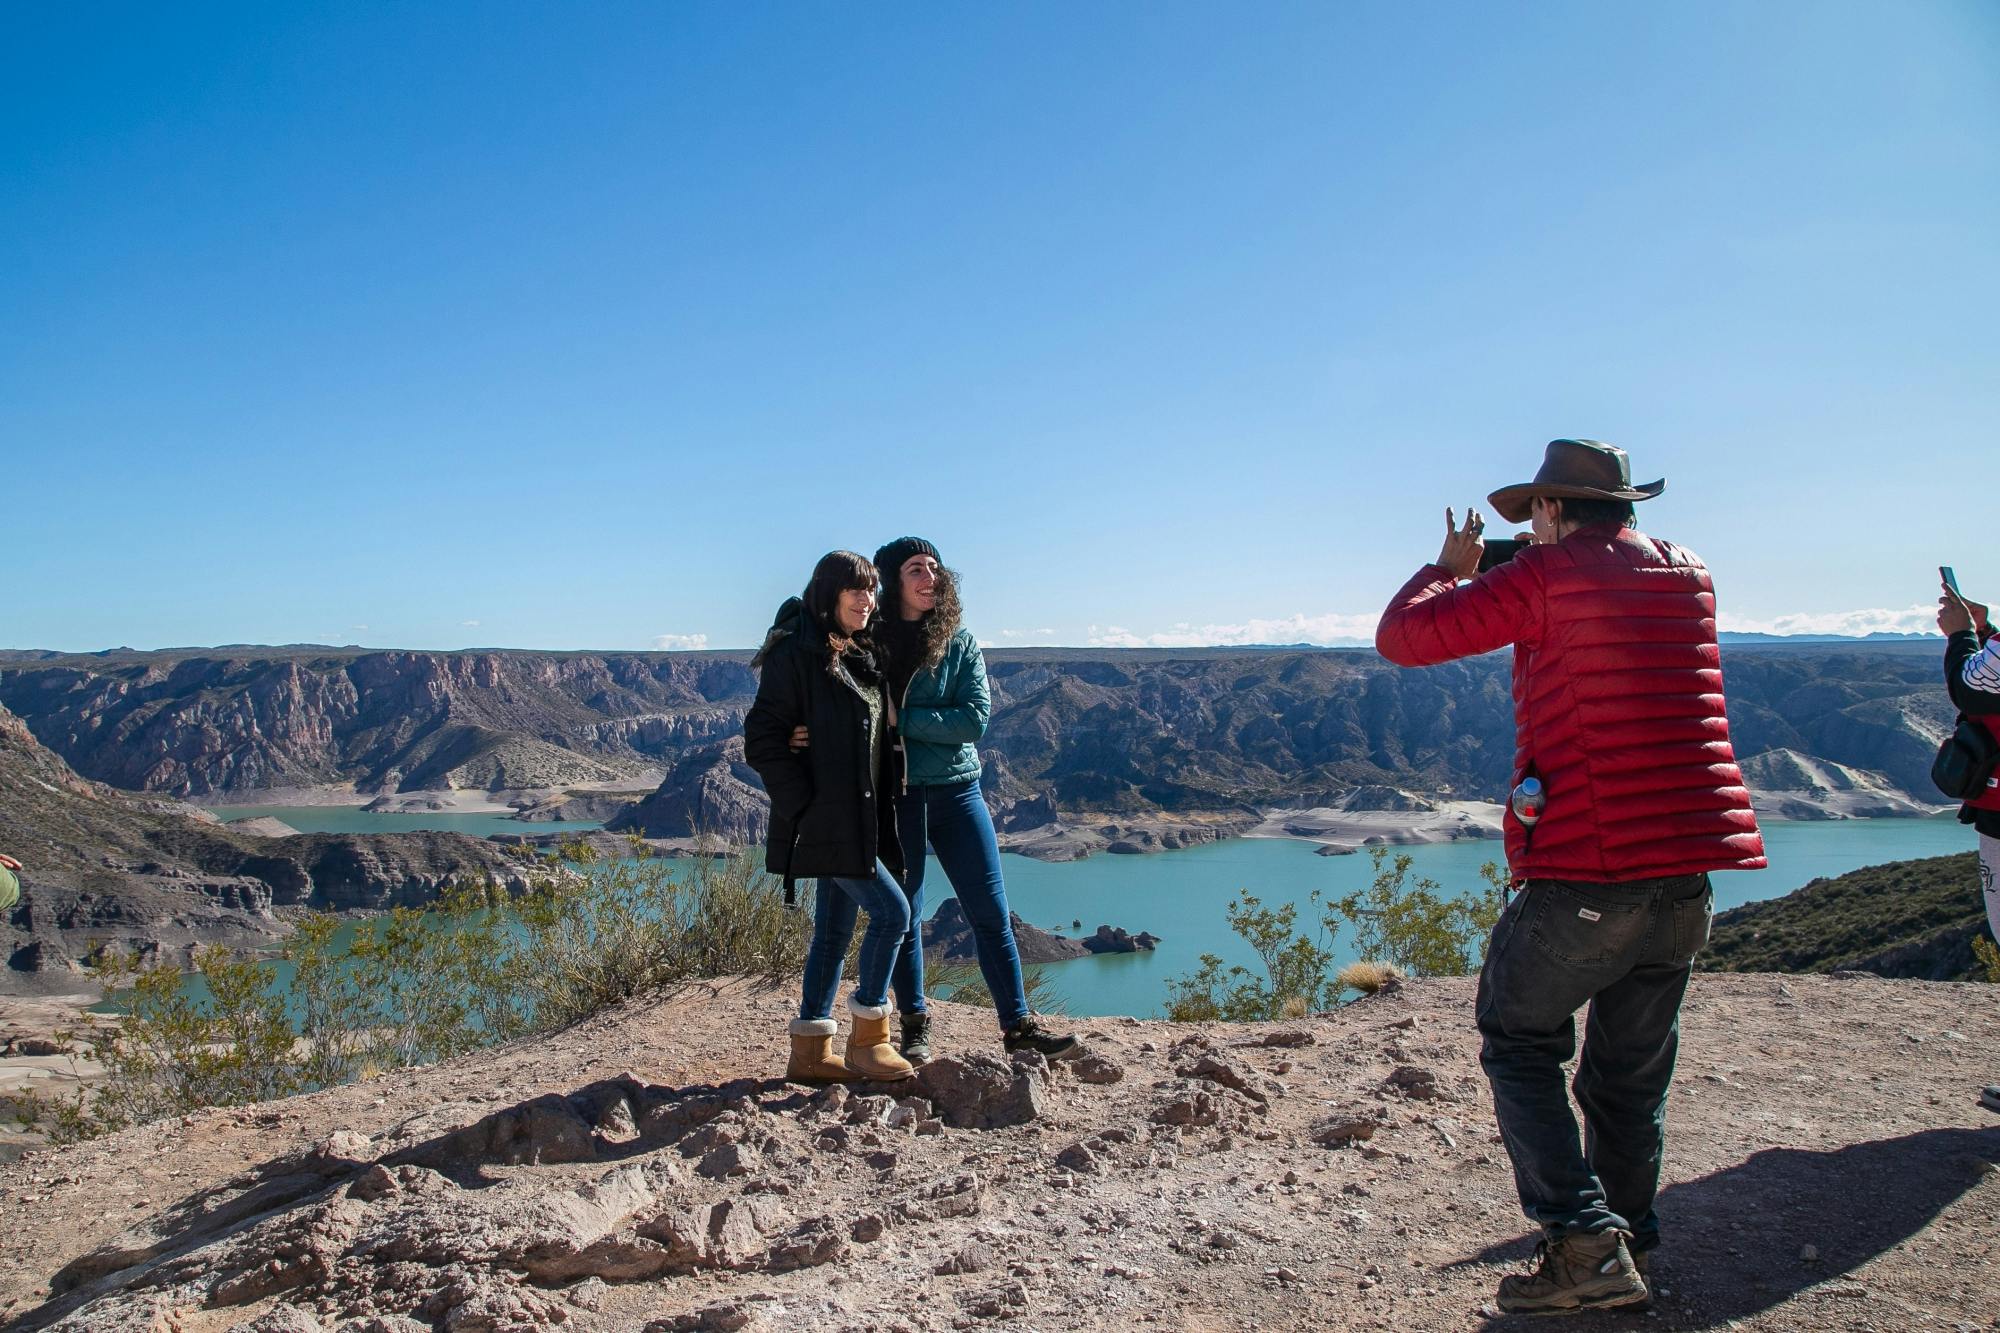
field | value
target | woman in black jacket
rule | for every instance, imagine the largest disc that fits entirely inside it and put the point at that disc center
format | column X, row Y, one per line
column 833, row 809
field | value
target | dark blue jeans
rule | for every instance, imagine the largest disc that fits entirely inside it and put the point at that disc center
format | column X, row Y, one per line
column 835, row 904
column 1626, row 950
column 955, row 822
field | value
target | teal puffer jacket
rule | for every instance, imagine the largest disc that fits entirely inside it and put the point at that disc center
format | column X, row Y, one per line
column 943, row 713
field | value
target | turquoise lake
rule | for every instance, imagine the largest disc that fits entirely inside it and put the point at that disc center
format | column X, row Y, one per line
column 1181, row 896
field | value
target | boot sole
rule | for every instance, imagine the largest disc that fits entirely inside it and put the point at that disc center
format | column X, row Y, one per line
column 1610, row 1300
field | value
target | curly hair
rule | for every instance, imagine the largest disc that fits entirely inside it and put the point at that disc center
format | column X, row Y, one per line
column 939, row 623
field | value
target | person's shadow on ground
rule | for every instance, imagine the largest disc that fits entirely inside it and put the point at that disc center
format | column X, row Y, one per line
column 1733, row 1241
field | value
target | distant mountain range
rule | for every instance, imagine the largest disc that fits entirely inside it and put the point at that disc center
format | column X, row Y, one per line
column 1876, row 636
column 1114, row 731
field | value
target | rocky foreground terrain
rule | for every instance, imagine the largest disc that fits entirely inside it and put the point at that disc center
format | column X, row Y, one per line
column 1828, row 1169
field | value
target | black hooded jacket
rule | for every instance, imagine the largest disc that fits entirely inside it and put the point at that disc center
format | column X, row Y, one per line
column 1970, row 703
column 830, row 816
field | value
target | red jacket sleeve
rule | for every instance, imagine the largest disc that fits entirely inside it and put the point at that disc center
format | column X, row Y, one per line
column 1434, row 618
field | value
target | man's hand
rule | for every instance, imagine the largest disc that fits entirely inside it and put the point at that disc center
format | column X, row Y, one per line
column 1463, row 546
column 800, row 739
column 1953, row 613
column 9, row 862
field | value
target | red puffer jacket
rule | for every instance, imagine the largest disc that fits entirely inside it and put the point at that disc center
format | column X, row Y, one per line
column 1618, row 703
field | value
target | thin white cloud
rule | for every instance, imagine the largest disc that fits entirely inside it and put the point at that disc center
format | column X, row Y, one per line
column 354, row 627
column 680, row 642
column 1332, row 630
column 469, row 624
column 1922, row 616
column 1041, row 633
column 1336, row 630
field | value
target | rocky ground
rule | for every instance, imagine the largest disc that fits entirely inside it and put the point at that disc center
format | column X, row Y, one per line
column 1828, row 1169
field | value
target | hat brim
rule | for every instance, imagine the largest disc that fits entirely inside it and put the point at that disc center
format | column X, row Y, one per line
column 1513, row 502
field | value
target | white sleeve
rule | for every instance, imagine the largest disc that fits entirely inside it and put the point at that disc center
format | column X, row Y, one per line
column 1982, row 669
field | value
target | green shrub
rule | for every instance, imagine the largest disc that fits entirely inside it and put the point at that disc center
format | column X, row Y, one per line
column 1399, row 928
column 416, row 986
column 1987, row 956
column 1415, row 928
column 1295, row 970
column 173, row 1054
column 628, row 928
column 962, row 983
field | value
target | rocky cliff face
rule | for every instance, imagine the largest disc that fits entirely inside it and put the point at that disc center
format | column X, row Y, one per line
column 207, row 724
column 106, row 867
column 1108, row 732
column 712, row 792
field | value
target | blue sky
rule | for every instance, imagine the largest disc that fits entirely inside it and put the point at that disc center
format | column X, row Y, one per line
column 593, row 326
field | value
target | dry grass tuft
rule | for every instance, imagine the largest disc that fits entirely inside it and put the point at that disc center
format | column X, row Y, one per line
column 1366, row 977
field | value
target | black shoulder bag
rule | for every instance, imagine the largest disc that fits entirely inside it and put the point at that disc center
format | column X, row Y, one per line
column 1966, row 760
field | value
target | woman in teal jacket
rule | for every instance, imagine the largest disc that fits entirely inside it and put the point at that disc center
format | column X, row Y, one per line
column 938, row 674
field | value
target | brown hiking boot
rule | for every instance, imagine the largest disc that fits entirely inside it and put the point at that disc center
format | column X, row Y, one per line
column 1578, row 1272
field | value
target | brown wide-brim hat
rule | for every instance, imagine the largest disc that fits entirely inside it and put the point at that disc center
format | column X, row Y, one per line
column 1575, row 470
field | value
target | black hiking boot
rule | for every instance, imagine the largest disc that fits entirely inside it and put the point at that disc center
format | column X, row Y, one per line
column 916, row 1044
column 1027, row 1035
column 1578, row 1272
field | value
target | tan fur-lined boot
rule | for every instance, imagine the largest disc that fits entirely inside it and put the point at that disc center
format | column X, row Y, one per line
column 813, row 1058
column 869, row 1050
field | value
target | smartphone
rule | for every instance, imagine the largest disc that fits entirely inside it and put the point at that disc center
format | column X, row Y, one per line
column 1945, row 572
column 1499, row 550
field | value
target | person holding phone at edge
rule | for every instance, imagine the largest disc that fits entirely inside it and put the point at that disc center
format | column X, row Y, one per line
column 10, row 883
column 833, row 811
column 1619, row 717
column 937, row 676
column 1972, row 675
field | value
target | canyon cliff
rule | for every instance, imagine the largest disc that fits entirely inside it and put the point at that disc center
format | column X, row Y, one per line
column 151, row 876
column 1152, row 735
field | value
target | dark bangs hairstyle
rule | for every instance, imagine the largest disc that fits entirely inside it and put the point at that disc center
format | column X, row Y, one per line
column 836, row 573
column 938, row 624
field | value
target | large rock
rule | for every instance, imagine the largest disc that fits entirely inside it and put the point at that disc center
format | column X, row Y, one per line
column 1116, row 939
column 948, row 937
column 712, row 792
column 979, row 1090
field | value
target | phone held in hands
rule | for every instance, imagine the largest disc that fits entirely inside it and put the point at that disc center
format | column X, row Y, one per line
column 1499, row 550
column 1946, row 573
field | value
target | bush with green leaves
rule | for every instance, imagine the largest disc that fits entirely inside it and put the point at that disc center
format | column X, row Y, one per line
column 962, row 983
column 1987, row 955
column 1416, row 928
column 417, row 986
column 1294, row 981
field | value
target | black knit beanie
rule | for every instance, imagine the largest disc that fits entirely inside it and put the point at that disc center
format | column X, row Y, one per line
column 889, row 560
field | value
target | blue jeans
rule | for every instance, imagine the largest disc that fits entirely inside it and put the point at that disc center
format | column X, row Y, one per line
column 954, row 820
column 835, row 902
column 1626, row 950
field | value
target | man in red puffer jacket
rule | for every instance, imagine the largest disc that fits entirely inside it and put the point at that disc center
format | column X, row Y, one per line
column 1619, row 714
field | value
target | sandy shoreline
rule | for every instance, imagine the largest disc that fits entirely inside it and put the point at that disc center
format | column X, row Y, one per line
column 451, row 801
column 1341, row 831
column 1404, row 819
